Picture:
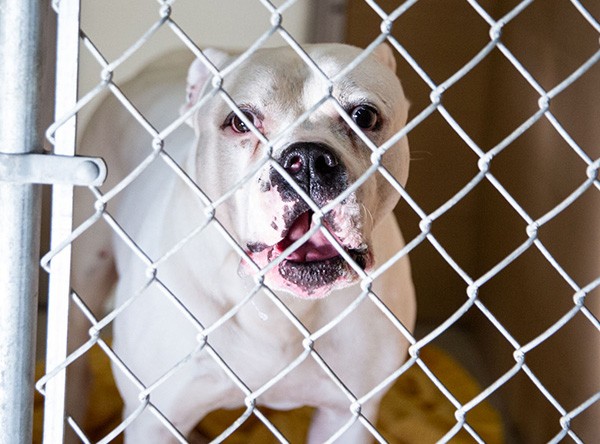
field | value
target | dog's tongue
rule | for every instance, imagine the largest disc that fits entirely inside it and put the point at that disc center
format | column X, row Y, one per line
column 316, row 248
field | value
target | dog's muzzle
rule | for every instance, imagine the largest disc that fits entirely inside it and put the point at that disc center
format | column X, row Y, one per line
column 316, row 266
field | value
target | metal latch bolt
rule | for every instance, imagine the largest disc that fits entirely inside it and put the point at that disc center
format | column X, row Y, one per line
column 50, row 169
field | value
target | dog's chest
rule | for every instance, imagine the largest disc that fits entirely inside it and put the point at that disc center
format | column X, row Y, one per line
column 272, row 362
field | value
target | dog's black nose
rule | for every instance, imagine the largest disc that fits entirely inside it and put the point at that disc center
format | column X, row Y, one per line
column 315, row 168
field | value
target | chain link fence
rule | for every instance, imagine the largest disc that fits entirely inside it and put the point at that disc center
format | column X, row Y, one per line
column 73, row 39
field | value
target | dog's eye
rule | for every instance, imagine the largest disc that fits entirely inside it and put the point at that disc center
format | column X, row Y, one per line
column 365, row 117
column 238, row 125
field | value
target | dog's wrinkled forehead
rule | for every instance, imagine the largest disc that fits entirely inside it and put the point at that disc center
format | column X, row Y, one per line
column 268, row 80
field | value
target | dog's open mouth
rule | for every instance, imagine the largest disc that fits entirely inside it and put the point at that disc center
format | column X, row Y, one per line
column 316, row 249
column 315, row 267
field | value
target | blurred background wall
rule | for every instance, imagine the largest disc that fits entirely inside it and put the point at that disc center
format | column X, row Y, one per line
column 227, row 24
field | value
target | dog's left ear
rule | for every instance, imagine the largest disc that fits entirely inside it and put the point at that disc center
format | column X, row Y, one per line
column 199, row 74
column 385, row 55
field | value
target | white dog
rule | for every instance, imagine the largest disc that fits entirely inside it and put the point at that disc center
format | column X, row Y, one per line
column 171, row 290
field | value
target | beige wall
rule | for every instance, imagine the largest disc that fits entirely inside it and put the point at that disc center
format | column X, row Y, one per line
column 224, row 24
column 539, row 170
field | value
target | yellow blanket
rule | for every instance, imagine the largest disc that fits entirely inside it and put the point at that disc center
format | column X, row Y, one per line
column 413, row 411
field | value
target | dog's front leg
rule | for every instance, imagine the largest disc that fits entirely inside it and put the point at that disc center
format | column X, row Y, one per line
column 176, row 407
column 327, row 421
column 148, row 429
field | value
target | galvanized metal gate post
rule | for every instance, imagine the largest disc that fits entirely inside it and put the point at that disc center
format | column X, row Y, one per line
column 19, row 218
column 22, row 170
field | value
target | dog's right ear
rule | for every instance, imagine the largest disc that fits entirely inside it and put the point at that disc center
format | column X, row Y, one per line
column 385, row 55
column 199, row 74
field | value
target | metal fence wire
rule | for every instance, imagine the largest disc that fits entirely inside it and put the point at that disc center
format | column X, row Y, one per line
column 72, row 39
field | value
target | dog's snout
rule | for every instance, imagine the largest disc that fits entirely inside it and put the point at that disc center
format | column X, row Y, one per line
column 313, row 166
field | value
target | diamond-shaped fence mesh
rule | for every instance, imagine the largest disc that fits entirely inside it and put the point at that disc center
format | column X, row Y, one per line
column 504, row 290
